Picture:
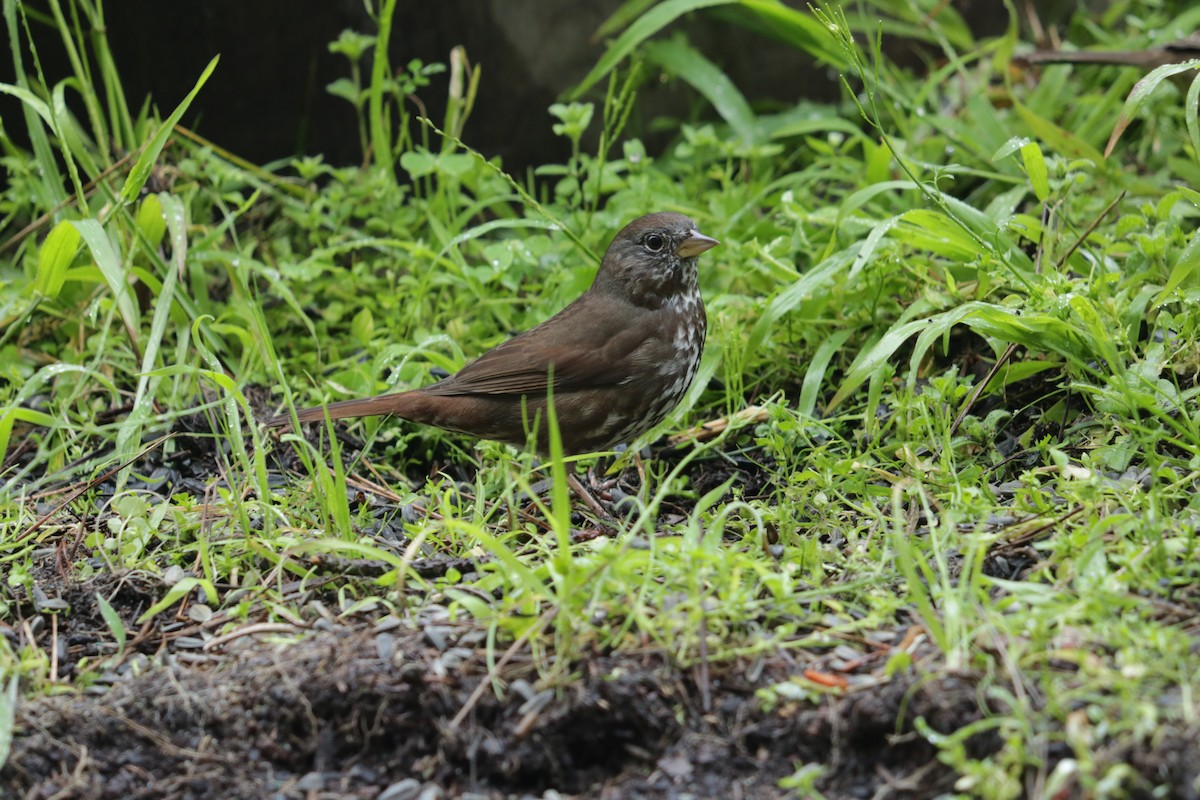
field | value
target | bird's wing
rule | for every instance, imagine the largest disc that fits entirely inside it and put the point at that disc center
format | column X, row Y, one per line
column 519, row 368
column 523, row 365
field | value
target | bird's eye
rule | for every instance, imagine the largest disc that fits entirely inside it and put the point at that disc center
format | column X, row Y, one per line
column 654, row 243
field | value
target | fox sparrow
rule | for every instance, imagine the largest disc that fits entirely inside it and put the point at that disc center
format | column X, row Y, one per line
column 621, row 356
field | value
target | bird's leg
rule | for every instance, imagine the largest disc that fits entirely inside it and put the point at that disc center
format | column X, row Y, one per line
column 580, row 491
column 609, row 487
column 588, row 499
column 640, row 466
column 595, row 473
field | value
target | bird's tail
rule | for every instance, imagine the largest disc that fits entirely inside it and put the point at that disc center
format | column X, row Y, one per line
column 368, row 407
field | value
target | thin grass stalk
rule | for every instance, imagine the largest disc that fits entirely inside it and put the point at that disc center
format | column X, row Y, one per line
column 381, row 142
column 72, row 44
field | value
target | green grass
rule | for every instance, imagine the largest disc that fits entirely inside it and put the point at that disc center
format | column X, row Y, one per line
column 879, row 256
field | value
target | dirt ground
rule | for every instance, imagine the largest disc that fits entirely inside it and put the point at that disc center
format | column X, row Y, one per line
column 346, row 712
column 408, row 708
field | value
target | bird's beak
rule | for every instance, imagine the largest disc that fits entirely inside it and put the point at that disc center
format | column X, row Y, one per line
column 695, row 244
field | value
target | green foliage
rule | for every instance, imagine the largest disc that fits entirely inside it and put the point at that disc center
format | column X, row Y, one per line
column 8, row 708
column 640, row 23
column 971, row 332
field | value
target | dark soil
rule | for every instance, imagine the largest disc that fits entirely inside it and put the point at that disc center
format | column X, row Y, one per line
column 348, row 712
column 407, row 708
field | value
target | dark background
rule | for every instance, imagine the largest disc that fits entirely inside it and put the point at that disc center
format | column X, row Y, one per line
column 267, row 98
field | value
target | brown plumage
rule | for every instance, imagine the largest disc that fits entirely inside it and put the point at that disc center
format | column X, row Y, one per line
column 622, row 355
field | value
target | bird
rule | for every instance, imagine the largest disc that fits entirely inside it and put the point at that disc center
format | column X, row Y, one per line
column 618, row 359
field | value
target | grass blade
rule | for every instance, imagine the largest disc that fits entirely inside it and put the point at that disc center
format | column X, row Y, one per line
column 56, row 254
column 109, row 263
column 8, row 714
column 141, row 170
column 1140, row 92
column 688, row 64
column 650, row 23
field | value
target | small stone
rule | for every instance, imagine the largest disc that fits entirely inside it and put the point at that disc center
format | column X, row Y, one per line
column 199, row 612
column 385, row 647
column 846, row 652
column 430, row 792
column 388, row 623
column 536, row 703
column 189, row 643
column 406, row 789
column 51, row 605
column 437, row 635
column 675, row 767
column 312, row 782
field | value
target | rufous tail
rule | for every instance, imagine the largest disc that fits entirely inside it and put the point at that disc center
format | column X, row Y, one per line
column 368, row 407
